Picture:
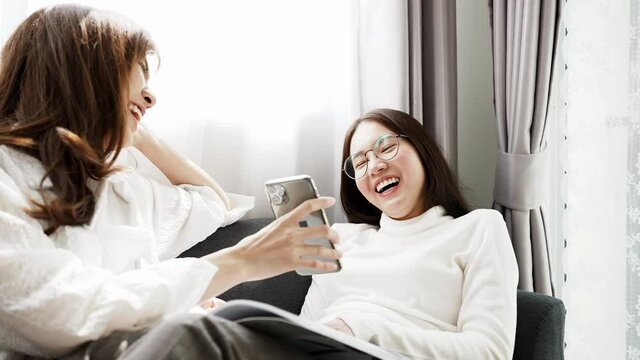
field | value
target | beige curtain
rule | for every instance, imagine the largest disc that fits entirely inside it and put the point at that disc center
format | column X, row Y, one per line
column 406, row 60
column 433, row 90
column 523, row 37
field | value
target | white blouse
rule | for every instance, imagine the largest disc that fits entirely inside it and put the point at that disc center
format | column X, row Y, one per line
column 116, row 273
column 431, row 287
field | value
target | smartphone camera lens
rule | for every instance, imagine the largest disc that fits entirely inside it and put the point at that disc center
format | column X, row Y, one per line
column 277, row 194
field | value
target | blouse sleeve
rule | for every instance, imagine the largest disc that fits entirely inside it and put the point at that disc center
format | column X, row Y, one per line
column 180, row 216
column 55, row 301
column 487, row 317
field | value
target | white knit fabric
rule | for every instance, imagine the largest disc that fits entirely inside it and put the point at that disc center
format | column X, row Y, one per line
column 431, row 287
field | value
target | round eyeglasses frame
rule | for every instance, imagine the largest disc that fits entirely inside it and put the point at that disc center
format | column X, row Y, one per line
column 375, row 153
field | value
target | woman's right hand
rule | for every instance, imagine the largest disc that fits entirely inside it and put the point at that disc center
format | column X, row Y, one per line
column 277, row 248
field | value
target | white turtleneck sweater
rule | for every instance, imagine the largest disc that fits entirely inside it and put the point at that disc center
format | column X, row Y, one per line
column 115, row 273
column 431, row 287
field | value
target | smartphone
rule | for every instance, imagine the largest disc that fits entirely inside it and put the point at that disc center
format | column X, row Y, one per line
column 286, row 194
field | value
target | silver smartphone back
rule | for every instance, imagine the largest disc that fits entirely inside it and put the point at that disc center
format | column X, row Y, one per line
column 286, row 194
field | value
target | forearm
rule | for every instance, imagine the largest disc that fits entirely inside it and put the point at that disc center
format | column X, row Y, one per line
column 433, row 344
column 178, row 169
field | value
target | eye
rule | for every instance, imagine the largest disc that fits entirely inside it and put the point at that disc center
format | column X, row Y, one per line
column 388, row 148
column 359, row 162
column 145, row 69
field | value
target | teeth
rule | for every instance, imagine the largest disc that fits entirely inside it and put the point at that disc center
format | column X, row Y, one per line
column 134, row 109
column 386, row 182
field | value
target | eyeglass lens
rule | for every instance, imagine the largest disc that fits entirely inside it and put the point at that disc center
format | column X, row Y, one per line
column 385, row 148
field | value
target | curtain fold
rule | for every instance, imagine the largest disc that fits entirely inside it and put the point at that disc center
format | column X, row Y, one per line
column 406, row 60
column 433, row 90
column 524, row 34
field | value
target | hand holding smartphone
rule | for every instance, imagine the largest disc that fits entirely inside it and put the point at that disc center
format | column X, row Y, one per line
column 286, row 194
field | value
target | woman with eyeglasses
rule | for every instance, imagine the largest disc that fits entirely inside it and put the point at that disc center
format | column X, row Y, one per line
column 87, row 248
column 421, row 275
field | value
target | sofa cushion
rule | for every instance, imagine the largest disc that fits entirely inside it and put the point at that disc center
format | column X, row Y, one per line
column 286, row 291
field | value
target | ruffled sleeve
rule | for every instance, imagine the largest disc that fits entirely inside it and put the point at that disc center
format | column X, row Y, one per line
column 55, row 301
column 178, row 216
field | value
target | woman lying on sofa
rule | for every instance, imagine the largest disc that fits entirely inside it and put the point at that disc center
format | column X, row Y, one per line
column 86, row 248
column 421, row 275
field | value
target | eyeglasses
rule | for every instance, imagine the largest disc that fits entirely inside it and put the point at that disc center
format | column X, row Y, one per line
column 384, row 148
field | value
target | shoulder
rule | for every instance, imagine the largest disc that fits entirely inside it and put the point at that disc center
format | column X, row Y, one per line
column 20, row 176
column 20, row 167
column 482, row 217
column 482, row 224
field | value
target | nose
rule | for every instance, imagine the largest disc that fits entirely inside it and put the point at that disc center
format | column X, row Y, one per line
column 376, row 165
column 149, row 98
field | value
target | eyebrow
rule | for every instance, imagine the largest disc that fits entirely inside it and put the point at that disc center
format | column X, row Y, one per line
column 374, row 142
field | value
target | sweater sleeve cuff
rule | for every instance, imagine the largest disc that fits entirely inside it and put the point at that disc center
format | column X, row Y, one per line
column 187, row 279
column 360, row 327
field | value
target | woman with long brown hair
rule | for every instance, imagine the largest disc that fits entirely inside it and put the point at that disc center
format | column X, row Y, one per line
column 421, row 276
column 86, row 247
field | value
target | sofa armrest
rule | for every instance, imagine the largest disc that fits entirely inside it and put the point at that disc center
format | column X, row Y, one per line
column 540, row 327
column 286, row 291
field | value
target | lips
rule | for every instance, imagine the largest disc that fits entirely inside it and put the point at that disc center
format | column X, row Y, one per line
column 136, row 111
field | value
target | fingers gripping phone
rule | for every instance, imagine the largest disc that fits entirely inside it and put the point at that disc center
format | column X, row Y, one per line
column 286, row 194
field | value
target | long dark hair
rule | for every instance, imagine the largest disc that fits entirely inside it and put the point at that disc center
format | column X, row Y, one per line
column 63, row 93
column 441, row 185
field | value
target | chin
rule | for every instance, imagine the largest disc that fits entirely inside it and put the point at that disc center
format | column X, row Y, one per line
column 397, row 216
column 399, row 212
column 394, row 212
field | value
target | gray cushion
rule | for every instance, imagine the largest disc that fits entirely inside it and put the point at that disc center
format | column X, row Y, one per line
column 286, row 291
column 540, row 328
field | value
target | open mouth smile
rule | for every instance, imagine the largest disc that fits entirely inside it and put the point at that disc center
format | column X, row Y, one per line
column 136, row 111
column 387, row 184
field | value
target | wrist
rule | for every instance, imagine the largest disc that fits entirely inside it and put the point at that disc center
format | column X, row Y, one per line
column 232, row 265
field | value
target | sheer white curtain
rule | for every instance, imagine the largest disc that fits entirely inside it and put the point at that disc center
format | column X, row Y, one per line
column 601, row 220
column 254, row 89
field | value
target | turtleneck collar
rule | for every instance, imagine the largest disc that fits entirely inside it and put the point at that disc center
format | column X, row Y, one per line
column 419, row 224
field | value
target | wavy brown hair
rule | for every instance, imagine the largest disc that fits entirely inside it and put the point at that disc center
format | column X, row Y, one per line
column 63, row 93
column 441, row 184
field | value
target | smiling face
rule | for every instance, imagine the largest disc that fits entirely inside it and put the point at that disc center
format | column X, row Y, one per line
column 140, row 99
column 395, row 186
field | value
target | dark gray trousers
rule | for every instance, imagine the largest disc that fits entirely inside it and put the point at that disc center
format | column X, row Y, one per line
column 189, row 336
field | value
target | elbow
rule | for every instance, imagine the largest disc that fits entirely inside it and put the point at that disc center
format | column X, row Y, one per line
column 493, row 346
column 499, row 350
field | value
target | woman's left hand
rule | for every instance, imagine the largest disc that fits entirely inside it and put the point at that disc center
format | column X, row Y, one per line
column 340, row 325
column 212, row 303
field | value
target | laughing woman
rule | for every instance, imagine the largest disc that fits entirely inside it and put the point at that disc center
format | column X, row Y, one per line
column 421, row 275
column 87, row 249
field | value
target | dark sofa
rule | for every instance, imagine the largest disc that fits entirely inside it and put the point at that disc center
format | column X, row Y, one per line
column 540, row 327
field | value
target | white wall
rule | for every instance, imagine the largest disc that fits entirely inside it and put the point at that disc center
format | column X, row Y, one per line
column 10, row 16
column 477, row 133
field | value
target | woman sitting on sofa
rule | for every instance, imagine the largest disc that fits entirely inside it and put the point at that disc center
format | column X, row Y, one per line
column 87, row 249
column 421, row 275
